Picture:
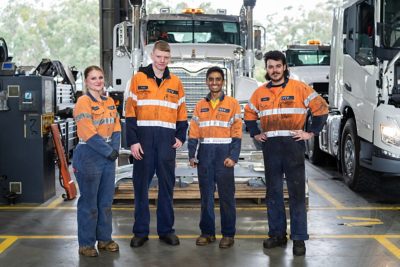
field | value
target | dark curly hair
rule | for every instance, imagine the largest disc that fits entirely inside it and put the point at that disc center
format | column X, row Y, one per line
column 276, row 55
column 215, row 69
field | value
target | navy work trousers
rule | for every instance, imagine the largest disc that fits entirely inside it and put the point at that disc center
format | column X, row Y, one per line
column 96, row 178
column 283, row 155
column 211, row 172
column 158, row 158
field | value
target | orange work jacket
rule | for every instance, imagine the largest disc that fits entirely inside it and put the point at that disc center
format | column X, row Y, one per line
column 286, row 110
column 216, row 126
column 154, row 105
column 96, row 117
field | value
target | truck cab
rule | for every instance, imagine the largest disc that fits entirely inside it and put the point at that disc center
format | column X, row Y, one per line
column 198, row 41
column 309, row 63
column 363, row 128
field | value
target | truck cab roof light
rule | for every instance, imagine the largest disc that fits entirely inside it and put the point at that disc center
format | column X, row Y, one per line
column 164, row 10
column 221, row 11
column 193, row 11
column 313, row 42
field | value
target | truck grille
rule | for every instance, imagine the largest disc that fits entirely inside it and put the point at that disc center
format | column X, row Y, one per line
column 195, row 86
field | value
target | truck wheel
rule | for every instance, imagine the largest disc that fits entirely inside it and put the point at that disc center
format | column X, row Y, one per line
column 355, row 176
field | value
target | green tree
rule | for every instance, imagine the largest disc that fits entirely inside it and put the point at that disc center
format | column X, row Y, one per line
column 68, row 32
column 308, row 24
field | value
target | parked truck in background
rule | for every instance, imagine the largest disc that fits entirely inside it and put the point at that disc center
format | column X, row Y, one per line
column 309, row 63
column 198, row 41
column 363, row 127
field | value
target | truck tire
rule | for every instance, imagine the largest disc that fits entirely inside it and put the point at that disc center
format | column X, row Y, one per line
column 356, row 177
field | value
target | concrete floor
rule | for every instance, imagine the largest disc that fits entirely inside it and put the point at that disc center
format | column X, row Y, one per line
column 346, row 229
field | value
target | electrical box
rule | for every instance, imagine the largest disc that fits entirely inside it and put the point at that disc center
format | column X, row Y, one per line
column 26, row 148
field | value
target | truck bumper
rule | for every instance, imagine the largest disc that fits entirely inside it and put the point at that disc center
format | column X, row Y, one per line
column 383, row 161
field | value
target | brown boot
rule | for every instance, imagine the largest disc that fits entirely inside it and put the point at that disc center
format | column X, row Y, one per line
column 108, row 245
column 226, row 242
column 88, row 251
column 205, row 240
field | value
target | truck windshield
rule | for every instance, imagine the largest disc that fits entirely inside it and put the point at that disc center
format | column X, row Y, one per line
column 391, row 24
column 307, row 57
column 192, row 31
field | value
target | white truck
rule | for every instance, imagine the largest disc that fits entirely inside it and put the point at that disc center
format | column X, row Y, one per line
column 198, row 41
column 309, row 63
column 363, row 127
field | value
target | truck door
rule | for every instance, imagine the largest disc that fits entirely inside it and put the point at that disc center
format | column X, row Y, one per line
column 359, row 71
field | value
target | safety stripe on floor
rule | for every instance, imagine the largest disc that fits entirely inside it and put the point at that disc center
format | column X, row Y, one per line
column 325, row 195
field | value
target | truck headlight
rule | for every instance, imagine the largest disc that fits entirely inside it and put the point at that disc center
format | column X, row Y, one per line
column 390, row 134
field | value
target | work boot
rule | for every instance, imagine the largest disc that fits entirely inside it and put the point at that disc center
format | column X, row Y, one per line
column 275, row 241
column 88, row 251
column 170, row 239
column 138, row 241
column 205, row 240
column 226, row 242
column 299, row 248
column 108, row 245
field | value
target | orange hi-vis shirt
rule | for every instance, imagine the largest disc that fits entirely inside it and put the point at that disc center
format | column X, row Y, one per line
column 96, row 117
column 285, row 111
column 216, row 125
column 154, row 105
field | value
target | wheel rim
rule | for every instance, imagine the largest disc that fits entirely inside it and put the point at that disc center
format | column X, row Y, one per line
column 349, row 157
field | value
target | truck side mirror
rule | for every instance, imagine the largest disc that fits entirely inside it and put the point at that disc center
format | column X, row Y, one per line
column 258, row 54
column 257, row 39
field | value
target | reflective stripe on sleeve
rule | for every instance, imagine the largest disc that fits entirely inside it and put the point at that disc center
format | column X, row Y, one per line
column 104, row 121
column 83, row 116
column 132, row 95
column 195, row 119
column 238, row 116
column 181, row 101
column 252, row 107
column 309, row 98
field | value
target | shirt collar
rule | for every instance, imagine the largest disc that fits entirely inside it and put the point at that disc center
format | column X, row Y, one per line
column 93, row 98
column 221, row 97
column 283, row 85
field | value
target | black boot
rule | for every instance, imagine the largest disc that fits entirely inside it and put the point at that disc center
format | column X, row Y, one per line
column 138, row 241
column 299, row 248
column 275, row 241
column 170, row 239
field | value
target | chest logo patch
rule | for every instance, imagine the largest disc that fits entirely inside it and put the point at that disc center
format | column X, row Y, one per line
column 95, row 108
column 287, row 98
column 265, row 99
column 226, row 110
column 204, row 110
column 143, row 87
column 171, row 91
